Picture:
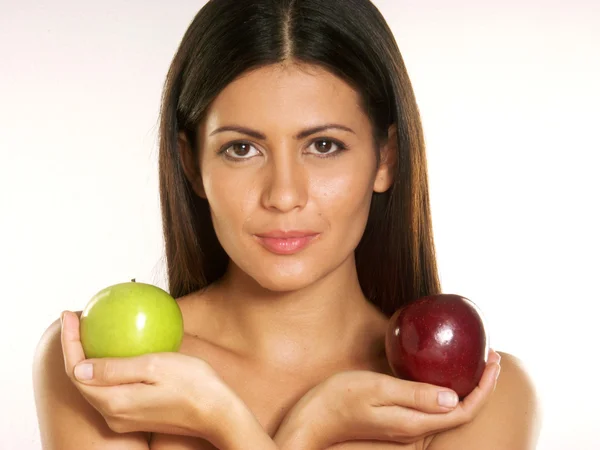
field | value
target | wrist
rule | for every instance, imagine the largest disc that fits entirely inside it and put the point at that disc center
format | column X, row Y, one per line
column 303, row 429
column 291, row 437
column 238, row 429
column 295, row 438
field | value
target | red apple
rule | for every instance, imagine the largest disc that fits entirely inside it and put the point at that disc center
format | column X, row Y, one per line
column 438, row 339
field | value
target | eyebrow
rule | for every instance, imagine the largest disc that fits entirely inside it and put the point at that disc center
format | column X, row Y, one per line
column 301, row 135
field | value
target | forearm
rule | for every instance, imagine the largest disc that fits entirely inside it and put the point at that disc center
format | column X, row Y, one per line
column 248, row 438
column 286, row 439
column 241, row 431
column 301, row 430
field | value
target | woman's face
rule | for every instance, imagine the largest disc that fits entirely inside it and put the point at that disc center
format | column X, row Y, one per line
column 288, row 167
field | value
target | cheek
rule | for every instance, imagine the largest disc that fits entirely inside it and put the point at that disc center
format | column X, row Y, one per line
column 232, row 198
column 345, row 195
column 222, row 188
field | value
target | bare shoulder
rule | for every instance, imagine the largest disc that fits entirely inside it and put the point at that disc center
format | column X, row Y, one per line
column 66, row 419
column 199, row 318
column 509, row 421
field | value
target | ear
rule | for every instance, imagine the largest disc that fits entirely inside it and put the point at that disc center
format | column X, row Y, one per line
column 387, row 163
column 190, row 164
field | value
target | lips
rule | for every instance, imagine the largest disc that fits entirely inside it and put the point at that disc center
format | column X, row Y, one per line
column 286, row 242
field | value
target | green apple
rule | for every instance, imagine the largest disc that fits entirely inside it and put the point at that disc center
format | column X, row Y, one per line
column 130, row 319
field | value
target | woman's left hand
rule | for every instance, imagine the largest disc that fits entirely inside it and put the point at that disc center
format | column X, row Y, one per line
column 168, row 393
column 357, row 406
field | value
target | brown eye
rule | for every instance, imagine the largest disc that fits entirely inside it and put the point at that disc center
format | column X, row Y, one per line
column 323, row 146
column 240, row 151
column 326, row 147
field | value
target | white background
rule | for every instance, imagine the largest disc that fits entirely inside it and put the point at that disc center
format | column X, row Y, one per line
column 510, row 98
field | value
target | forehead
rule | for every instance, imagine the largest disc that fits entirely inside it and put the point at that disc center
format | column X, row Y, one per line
column 294, row 95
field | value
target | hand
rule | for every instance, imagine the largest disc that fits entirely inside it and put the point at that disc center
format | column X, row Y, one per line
column 363, row 405
column 168, row 393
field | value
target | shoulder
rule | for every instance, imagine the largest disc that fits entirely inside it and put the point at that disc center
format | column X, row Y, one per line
column 509, row 421
column 65, row 418
column 48, row 359
column 53, row 389
column 198, row 308
column 48, row 354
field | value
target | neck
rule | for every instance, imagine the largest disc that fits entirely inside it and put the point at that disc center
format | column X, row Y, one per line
column 330, row 320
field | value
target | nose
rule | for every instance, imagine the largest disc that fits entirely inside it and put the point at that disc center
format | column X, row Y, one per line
column 285, row 183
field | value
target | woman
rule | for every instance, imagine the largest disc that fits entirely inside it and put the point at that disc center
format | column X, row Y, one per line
column 296, row 218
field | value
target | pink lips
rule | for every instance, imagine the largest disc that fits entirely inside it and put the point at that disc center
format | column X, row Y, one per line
column 286, row 242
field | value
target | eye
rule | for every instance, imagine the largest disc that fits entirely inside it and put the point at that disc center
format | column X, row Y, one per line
column 239, row 151
column 325, row 147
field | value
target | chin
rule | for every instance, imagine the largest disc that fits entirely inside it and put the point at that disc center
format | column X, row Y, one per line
column 282, row 285
column 280, row 279
column 276, row 273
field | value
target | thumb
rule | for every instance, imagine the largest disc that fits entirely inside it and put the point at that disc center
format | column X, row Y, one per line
column 115, row 371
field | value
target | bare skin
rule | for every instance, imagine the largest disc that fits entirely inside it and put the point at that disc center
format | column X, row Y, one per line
column 277, row 325
column 270, row 386
column 285, row 323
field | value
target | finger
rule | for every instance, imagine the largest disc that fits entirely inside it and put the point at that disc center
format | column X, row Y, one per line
column 119, row 400
column 493, row 357
column 473, row 403
column 411, row 421
column 417, row 422
column 70, row 341
column 117, row 371
column 420, row 396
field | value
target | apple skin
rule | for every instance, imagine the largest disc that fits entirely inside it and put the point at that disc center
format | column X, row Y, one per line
column 439, row 339
column 130, row 319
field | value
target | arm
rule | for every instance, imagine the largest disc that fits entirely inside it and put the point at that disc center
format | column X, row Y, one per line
column 509, row 421
column 351, row 408
column 169, row 393
column 66, row 420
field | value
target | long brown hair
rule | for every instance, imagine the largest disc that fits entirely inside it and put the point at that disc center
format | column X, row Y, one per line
column 396, row 257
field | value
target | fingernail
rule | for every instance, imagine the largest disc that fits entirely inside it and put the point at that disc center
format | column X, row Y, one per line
column 447, row 399
column 497, row 369
column 84, row 371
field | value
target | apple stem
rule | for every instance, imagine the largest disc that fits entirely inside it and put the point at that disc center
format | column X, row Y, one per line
column 133, row 280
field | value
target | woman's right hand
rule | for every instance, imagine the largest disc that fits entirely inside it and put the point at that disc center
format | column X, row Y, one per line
column 168, row 393
column 363, row 405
